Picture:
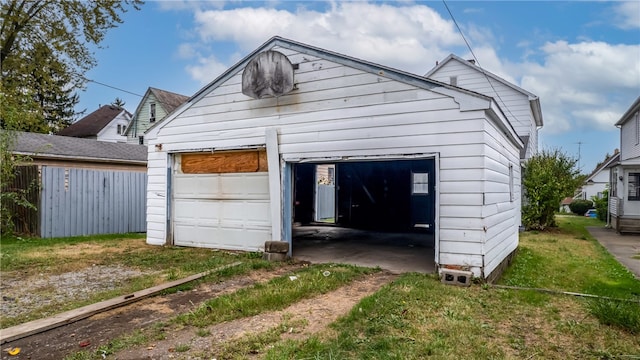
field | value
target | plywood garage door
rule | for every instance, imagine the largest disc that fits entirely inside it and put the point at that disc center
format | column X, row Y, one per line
column 221, row 200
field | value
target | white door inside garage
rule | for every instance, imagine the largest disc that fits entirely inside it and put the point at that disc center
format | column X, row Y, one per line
column 221, row 200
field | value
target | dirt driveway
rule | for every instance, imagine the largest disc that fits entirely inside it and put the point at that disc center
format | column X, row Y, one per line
column 310, row 316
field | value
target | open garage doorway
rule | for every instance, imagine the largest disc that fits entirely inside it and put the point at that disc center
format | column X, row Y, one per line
column 369, row 213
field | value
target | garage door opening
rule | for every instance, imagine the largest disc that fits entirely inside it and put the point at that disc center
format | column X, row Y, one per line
column 370, row 213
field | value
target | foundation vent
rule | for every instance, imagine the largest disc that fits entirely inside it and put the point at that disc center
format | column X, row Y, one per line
column 456, row 277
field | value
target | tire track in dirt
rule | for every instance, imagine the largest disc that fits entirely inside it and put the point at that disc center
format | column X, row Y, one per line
column 101, row 328
column 311, row 316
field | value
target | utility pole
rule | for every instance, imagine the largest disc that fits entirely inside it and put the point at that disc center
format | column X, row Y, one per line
column 579, row 149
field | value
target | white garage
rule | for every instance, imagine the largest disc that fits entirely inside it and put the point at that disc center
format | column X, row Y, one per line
column 236, row 165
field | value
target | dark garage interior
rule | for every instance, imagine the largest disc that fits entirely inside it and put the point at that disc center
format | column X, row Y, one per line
column 368, row 213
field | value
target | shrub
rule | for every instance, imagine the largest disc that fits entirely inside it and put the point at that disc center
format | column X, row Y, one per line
column 602, row 205
column 580, row 206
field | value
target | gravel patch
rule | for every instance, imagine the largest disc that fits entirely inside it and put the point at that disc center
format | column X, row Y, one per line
column 21, row 296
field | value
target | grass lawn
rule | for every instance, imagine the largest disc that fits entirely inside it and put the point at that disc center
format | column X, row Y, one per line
column 29, row 258
column 415, row 316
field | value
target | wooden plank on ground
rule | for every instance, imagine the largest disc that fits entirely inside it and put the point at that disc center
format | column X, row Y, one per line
column 68, row 317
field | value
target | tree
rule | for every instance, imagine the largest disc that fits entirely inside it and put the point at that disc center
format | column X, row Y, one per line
column 548, row 177
column 118, row 103
column 44, row 54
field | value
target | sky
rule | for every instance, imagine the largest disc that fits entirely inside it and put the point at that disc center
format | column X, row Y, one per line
column 581, row 58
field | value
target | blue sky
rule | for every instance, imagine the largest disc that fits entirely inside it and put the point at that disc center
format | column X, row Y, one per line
column 581, row 58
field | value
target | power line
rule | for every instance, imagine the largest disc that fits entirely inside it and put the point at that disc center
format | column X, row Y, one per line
column 478, row 63
column 113, row 87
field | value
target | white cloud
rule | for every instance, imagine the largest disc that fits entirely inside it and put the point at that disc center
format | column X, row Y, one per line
column 410, row 37
column 207, row 69
column 627, row 15
column 583, row 85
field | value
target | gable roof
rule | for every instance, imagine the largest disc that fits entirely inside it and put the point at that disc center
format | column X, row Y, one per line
column 603, row 165
column 632, row 110
column 363, row 65
column 72, row 148
column 93, row 123
column 534, row 101
column 356, row 63
column 168, row 100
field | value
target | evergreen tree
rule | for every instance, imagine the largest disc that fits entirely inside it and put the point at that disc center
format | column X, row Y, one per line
column 44, row 53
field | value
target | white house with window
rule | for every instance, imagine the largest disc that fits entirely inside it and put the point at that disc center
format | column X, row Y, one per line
column 598, row 181
column 624, row 197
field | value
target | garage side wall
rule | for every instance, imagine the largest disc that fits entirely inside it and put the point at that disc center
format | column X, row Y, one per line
column 502, row 200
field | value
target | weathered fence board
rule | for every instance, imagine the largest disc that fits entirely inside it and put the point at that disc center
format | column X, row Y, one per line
column 24, row 219
column 86, row 202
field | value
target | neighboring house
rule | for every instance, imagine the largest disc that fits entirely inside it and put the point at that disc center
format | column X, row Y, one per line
column 624, row 187
column 227, row 168
column 155, row 105
column 108, row 123
column 564, row 205
column 521, row 107
column 84, row 186
column 598, row 181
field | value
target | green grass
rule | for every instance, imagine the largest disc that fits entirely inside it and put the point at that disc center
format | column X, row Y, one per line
column 570, row 259
column 276, row 294
column 30, row 257
column 417, row 317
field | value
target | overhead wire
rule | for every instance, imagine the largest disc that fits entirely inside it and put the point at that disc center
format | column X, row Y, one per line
column 475, row 58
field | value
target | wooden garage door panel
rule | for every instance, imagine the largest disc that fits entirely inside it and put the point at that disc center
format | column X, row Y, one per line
column 224, row 162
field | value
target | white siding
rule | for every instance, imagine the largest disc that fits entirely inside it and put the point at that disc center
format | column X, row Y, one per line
column 110, row 132
column 140, row 122
column 515, row 104
column 630, row 138
column 340, row 111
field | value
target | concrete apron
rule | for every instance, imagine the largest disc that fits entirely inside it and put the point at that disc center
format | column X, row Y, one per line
column 395, row 252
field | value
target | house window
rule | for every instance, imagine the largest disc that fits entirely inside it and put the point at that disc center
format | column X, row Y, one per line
column 141, row 140
column 152, row 112
column 420, row 183
column 634, row 186
column 614, row 183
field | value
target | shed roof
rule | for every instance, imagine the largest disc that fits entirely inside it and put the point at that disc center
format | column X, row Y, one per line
column 71, row 148
column 93, row 123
